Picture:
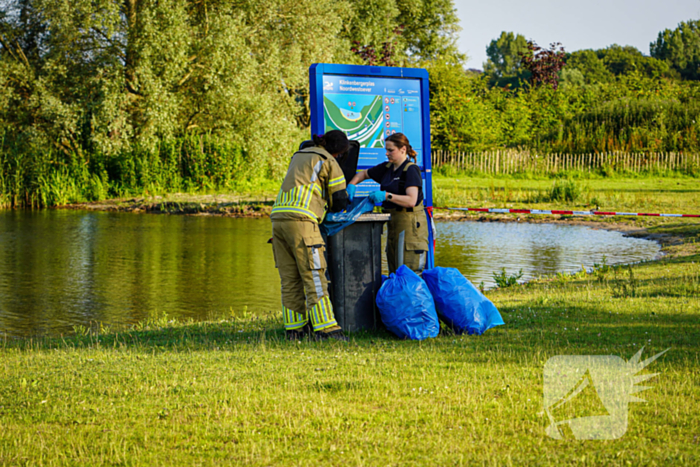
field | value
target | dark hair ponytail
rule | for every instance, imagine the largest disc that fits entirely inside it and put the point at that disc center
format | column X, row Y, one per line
column 334, row 141
column 400, row 140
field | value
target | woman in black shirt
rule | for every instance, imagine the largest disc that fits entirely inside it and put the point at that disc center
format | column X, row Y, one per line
column 401, row 195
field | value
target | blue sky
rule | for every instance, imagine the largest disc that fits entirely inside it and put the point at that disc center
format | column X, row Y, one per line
column 590, row 24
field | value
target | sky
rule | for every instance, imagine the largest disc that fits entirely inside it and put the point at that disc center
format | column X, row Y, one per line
column 577, row 24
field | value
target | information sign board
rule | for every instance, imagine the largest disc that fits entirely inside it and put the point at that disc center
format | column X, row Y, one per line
column 370, row 103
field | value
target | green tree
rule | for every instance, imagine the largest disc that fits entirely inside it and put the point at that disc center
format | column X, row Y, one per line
column 109, row 76
column 680, row 48
column 461, row 116
column 430, row 29
column 504, row 55
column 571, row 77
column 622, row 60
column 468, row 115
column 415, row 31
column 374, row 23
column 589, row 65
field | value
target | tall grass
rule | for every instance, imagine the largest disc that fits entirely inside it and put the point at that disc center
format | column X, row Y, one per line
column 32, row 177
column 564, row 190
column 629, row 125
column 639, row 194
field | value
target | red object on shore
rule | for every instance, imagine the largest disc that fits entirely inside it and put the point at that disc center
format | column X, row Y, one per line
column 565, row 213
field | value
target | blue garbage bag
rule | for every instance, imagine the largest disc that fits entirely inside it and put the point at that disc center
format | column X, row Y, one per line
column 406, row 306
column 334, row 222
column 459, row 304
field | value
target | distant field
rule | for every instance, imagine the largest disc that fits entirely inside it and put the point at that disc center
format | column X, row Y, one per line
column 673, row 195
column 651, row 194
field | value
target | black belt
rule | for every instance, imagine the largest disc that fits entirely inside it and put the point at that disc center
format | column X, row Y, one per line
column 399, row 209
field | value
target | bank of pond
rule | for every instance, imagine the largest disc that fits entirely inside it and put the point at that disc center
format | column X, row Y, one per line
column 60, row 270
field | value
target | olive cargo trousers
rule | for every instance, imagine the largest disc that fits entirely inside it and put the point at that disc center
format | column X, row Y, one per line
column 299, row 252
column 407, row 240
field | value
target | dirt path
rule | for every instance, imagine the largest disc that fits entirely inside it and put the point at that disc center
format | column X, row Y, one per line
column 182, row 203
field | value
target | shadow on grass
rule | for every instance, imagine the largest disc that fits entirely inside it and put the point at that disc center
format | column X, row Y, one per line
column 619, row 322
column 544, row 323
column 530, row 326
column 178, row 336
column 685, row 229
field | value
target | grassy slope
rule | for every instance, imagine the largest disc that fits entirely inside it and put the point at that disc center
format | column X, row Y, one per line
column 644, row 194
column 233, row 391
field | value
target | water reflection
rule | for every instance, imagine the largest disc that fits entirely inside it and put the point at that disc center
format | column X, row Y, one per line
column 59, row 268
column 478, row 249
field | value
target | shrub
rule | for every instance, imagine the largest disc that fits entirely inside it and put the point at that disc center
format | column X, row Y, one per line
column 564, row 190
column 504, row 280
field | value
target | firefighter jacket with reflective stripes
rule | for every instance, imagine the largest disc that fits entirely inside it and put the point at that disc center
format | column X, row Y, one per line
column 312, row 178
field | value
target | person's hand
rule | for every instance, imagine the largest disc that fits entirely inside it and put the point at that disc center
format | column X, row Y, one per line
column 377, row 197
column 351, row 192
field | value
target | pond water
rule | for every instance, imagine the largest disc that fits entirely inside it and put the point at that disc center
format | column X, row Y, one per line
column 59, row 269
column 478, row 249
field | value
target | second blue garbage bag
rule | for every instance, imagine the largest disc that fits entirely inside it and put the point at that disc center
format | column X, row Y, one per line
column 406, row 306
column 459, row 304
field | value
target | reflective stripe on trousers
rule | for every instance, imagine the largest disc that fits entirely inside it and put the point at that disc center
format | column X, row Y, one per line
column 321, row 316
column 292, row 319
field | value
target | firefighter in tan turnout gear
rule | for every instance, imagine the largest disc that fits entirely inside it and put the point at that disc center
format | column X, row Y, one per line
column 313, row 182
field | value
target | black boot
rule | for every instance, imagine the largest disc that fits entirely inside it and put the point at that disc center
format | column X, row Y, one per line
column 336, row 333
column 299, row 334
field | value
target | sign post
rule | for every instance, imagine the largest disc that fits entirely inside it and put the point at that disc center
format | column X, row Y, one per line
column 369, row 103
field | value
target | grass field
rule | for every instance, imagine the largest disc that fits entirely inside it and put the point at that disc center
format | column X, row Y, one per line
column 643, row 194
column 233, row 391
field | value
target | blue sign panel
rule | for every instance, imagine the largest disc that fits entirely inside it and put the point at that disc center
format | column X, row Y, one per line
column 370, row 103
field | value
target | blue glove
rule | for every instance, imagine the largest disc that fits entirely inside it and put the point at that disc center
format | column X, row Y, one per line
column 377, row 197
column 351, row 192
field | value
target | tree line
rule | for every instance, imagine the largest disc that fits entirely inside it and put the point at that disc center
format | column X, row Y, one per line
column 125, row 94
column 586, row 101
column 112, row 97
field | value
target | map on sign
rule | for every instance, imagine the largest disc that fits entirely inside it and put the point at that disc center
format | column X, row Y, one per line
column 369, row 109
column 359, row 116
